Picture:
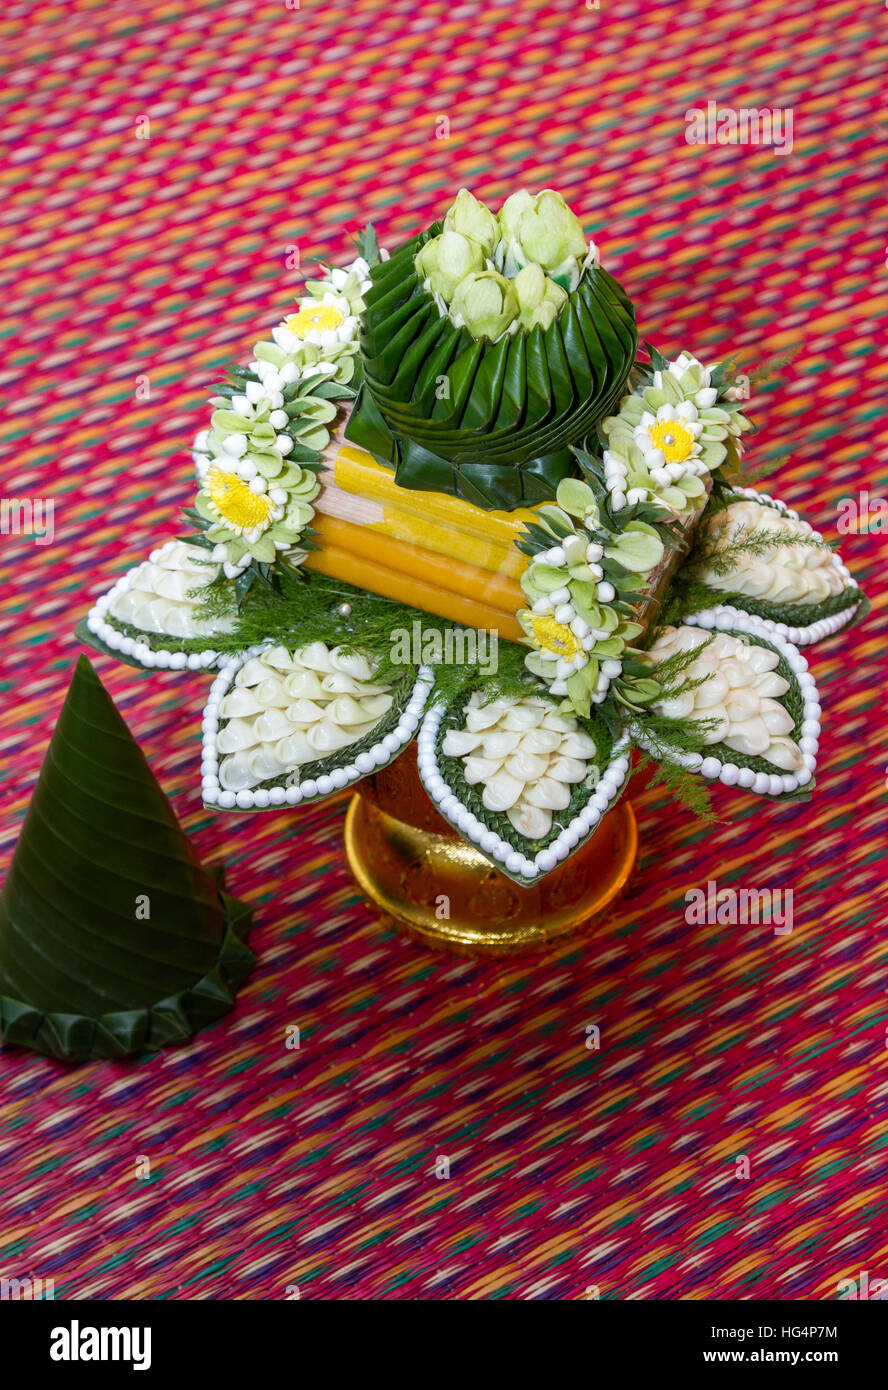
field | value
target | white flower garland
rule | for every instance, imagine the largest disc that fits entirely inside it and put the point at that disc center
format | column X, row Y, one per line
column 255, row 498
column 804, row 635
column 508, row 860
column 762, row 783
column 312, row 788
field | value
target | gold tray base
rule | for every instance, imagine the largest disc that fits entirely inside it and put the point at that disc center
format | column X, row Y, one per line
column 435, row 887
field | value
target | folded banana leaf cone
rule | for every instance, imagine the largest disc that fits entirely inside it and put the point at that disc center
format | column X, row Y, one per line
column 114, row 938
column 487, row 420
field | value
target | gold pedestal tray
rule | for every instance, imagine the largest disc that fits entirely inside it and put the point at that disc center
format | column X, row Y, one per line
column 431, row 884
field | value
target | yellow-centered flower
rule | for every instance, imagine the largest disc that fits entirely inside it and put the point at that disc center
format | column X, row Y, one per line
column 554, row 637
column 674, row 438
column 319, row 318
column 235, row 503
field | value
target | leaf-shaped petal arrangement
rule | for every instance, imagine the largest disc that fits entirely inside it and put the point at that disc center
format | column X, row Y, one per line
column 145, row 617
column 757, row 556
column 750, row 691
column 113, row 937
column 283, row 727
column 519, row 781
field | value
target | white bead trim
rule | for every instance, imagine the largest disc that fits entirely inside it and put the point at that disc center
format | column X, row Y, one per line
column 161, row 659
column 727, row 619
column 262, row 798
column 812, row 632
column 506, row 859
column 754, row 495
column 798, row 636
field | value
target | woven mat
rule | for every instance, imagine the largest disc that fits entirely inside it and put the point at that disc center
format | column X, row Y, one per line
column 160, row 168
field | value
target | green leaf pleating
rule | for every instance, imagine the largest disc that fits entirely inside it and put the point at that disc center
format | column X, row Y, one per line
column 113, row 936
column 510, row 407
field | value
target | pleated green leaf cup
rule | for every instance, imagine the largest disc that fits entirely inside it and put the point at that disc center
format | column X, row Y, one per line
column 114, row 938
column 488, row 421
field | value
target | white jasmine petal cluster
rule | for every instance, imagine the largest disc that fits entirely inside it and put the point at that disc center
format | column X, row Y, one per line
column 706, row 394
column 200, row 453
column 273, row 378
column 256, row 498
column 668, row 435
column 788, row 573
column 324, row 323
column 527, row 756
column 670, row 443
column 359, row 270
column 285, row 710
column 231, row 568
column 157, row 594
column 741, row 690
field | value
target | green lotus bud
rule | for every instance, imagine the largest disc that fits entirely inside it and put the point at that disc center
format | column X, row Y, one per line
column 551, row 232
column 530, row 287
column 485, row 302
column 540, row 300
column 542, row 229
column 472, row 219
column 512, row 211
column 446, row 259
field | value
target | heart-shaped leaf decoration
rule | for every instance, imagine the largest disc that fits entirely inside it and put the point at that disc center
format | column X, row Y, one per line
column 153, row 610
column 757, row 556
column 521, row 782
column 287, row 726
column 751, row 695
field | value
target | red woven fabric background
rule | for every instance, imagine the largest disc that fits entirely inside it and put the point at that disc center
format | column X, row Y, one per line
column 159, row 167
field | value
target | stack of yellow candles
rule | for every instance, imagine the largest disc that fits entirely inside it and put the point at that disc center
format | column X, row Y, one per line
column 426, row 549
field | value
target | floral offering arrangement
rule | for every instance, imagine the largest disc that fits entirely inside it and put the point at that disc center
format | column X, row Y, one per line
column 450, row 499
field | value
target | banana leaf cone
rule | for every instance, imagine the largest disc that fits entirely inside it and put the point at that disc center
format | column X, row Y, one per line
column 499, row 436
column 113, row 937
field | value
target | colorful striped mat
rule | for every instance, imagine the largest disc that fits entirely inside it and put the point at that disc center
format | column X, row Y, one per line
column 445, row 1129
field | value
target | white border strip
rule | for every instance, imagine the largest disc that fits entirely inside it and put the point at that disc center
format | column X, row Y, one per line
column 726, row 619
column 260, row 798
column 517, row 866
column 799, row 636
column 162, row 659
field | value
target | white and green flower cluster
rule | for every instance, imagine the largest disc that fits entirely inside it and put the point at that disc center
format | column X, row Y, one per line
column 258, row 461
column 576, row 625
column 669, row 435
column 494, row 274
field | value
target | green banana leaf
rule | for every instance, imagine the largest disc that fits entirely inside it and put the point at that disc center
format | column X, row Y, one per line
column 452, row 770
column 513, row 407
column 438, row 365
column 367, row 428
column 418, row 354
column 514, row 388
column 499, row 487
column 483, row 402
column 113, row 936
column 401, row 329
